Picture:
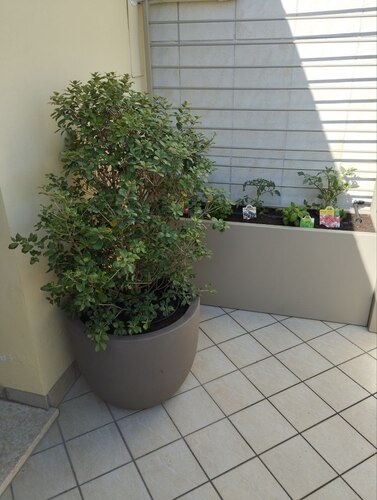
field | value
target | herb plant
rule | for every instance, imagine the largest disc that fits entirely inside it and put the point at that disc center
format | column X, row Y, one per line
column 293, row 214
column 111, row 229
column 330, row 183
column 263, row 186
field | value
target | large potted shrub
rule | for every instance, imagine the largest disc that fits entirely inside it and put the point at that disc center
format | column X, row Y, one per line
column 120, row 254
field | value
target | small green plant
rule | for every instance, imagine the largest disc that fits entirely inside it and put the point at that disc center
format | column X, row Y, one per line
column 219, row 205
column 263, row 186
column 330, row 183
column 293, row 214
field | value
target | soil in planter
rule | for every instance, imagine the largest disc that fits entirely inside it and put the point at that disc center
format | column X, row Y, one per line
column 271, row 216
column 162, row 321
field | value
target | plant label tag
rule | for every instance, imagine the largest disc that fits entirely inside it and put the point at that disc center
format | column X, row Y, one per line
column 307, row 221
column 249, row 212
column 329, row 217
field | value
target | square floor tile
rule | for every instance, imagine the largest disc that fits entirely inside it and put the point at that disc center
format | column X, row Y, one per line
column 262, row 426
column 336, row 490
column 208, row 312
column 306, row 329
column 79, row 388
column 44, row 475
column 205, row 492
column 338, row 390
column 124, row 482
column 69, row 495
column 363, row 416
column 233, row 392
column 148, row 430
column 360, row 336
column 304, row 361
column 276, row 337
column 333, row 325
column 301, row 406
column 188, row 384
column 279, row 317
column 203, row 341
column 250, row 481
column 297, row 467
column 222, row 328
column 270, row 376
column 171, row 471
column 119, row 413
column 82, row 414
column 210, row 364
column 192, row 410
column 335, row 348
column 51, row 438
column 244, row 350
column 373, row 353
column 219, row 447
column 252, row 320
column 363, row 479
column 339, row 444
column 97, row 452
column 363, row 370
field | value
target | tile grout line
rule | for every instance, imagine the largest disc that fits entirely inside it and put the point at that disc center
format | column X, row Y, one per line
column 183, row 437
column 70, row 461
column 336, row 365
column 133, row 460
column 234, row 413
column 300, row 380
column 329, row 482
column 227, row 417
column 352, row 342
column 235, row 428
column 64, row 492
column 314, row 425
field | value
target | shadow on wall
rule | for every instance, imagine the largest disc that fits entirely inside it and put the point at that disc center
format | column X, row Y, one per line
column 285, row 85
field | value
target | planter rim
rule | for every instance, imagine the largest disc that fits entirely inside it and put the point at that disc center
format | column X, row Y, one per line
column 291, row 228
column 185, row 318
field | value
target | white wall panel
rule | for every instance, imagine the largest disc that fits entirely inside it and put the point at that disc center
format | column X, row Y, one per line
column 286, row 85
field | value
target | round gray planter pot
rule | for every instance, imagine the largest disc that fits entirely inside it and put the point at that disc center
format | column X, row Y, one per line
column 139, row 371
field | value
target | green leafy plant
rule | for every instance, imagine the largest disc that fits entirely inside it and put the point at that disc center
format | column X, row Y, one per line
column 111, row 229
column 330, row 183
column 219, row 205
column 293, row 214
column 263, row 186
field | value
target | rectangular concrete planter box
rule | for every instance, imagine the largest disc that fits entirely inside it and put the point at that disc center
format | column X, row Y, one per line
column 309, row 273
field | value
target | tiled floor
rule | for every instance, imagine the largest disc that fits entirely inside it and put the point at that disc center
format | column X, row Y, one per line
column 275, row 408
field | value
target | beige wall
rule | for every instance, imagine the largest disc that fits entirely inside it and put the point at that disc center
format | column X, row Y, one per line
column 43, row 45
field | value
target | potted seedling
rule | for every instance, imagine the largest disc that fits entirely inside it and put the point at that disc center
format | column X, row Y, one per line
column 120, row 256
column 262, row 187
column 330, row 183
column 293, row 214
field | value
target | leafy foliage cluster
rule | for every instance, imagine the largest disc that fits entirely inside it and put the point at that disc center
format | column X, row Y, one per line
column 330, row 183
column 263, row 186
column 293, row 214
column 111, row 230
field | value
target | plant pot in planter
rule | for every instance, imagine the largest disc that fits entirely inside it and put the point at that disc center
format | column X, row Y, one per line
column 139, row 371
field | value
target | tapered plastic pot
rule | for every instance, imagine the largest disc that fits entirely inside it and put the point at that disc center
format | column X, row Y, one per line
column 139, row 371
